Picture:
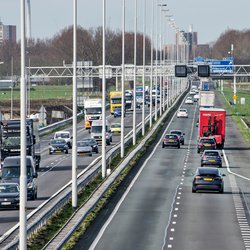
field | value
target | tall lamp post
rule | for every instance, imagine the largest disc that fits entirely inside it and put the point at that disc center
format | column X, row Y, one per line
column 11, row 102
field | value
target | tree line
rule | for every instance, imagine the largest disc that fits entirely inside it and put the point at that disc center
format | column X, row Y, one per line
column 59, row 49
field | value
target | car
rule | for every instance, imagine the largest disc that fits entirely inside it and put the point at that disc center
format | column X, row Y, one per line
column 189, row 100
column 64, row 135
column 93, row 143
column 211, row 157
column 171, row 140
column 118, row 112
column 84, row 148
column 206, row 143
column 192, row 92
column 196, row 98
column 208, row 178
column 115, row 127
column 180, row 134
column 182, row 113
column 9, row 195
column 58, row 146
column 10, row 173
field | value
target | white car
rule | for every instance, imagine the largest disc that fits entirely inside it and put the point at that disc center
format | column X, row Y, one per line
column 189, row 100
column 182, row 113
column 64, row 135
column 196, row 98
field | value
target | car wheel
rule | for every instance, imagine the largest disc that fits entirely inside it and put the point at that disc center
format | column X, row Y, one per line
column 221, row 190
column 198, row 151
column 193, row 190
column 182, row 143
column 163, row 146
column 33, row 197
column 50, row 152
column 111, row 139
column 90, row 154
column 97, row 151
column 179, row 146
column 108, row 142
column 66, row 151
column 220, row 166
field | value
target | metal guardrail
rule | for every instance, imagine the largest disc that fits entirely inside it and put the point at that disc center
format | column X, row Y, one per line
column 43, row 213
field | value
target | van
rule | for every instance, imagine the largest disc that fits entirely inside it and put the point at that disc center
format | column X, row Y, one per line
column 10, row 173
column 64, row 135
column 96, row 131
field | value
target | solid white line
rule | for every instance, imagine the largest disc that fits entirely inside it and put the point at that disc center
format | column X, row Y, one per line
column 229, row 170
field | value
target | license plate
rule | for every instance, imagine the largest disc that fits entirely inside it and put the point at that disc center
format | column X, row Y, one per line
column 208, row 179
column 6, row 203
column 58, row 151
column 171, row 140
column 211, row 160
column 83, row 153
column 207, row 145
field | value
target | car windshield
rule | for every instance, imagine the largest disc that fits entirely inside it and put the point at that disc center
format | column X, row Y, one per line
column 14, row 172
column 183, row 110
column 116, row 125
column 62, row 135
column 82, row 144
column 9, row 188
column 58, row 141
column 90, row 111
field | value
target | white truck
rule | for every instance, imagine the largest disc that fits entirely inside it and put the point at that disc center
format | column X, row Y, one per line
column 92, row 111
column 206, row 99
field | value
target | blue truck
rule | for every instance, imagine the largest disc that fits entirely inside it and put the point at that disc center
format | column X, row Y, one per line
column 205, row 86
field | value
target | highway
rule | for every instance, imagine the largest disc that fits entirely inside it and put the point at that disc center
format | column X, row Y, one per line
column 55, row 170
column 159, row 211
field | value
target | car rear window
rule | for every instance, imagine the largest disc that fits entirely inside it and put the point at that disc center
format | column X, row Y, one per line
column 175, row 132
column 208, row 172
column 171, row 136
column 211, row 153
column 211, row 141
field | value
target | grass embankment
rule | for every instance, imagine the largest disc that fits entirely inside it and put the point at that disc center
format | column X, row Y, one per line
column 54, row 224
column 238, row 110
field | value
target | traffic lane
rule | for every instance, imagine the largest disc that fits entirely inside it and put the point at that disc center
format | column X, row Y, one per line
column 141, row 220
column 54, row 173
column 142, row 217
column 204, row 220
column 238, row 154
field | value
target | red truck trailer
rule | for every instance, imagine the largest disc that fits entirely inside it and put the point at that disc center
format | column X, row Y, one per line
column 212, row 122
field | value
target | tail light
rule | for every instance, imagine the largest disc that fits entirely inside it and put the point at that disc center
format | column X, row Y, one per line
column 164, row 139
column 200, row 144
column 213, row 145
column 217, row 179
column 197, row 178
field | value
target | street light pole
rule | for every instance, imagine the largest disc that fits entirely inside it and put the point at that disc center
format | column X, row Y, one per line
column 104, row 168
column 74, row 146
column 123, row 78
column 23, row 171
column 134, row 93
column 11, row 102
column 143, row 74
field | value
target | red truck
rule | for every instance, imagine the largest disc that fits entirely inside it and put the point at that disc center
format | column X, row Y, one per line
column 212, row 122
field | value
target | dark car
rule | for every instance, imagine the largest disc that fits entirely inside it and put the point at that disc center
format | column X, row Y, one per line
column 171, row 140
column 211, row 157
column 206, row 143
column 180, row 134
column 10, row 173
column 9, row 195
column 208, row 178
column 118, row 112
column 58, row 146
column 93, row 143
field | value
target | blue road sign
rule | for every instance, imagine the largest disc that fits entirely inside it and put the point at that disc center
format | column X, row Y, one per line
column 221, row 66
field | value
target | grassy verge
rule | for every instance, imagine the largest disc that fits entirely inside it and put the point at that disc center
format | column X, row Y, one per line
column 54, row 224
column 238, row 111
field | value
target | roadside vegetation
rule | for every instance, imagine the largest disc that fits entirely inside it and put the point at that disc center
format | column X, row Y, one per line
column 239, row 111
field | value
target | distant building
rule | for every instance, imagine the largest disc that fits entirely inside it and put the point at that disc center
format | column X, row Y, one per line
column 7, row 33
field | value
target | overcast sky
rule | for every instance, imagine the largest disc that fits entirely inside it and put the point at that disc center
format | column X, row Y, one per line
column 209, row 18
